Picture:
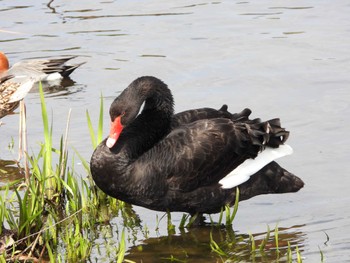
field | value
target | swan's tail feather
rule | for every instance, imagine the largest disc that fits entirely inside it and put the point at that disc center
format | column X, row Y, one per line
column 251, row 166
column 272, row 179
column 268, row 140
column 269, row 133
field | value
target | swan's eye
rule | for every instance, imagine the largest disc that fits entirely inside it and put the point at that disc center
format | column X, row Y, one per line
column 123, row 113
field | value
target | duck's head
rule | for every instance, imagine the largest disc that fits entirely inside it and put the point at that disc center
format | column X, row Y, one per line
column 4, row 63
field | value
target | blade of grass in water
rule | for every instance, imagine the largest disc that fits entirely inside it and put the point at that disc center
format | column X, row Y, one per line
column 121, row 252
column 100, row 122
column 96, row 138
column 47, row 132
column 231, row 216
column 265, row 240
column 91, row 130
column 276, row 240
column 50, row 186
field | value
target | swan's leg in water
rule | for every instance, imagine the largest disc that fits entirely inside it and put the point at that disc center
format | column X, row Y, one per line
column 197, row 220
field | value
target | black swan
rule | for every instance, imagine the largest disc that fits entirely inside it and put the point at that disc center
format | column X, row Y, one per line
column 191, row 161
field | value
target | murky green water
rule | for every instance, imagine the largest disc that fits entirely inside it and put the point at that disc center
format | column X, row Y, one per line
column 287, row 59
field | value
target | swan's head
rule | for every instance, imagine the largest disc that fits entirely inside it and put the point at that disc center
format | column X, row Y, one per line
column 123, row 112
column 125, row 108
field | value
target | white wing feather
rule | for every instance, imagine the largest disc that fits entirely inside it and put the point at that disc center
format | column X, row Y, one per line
column 250, row 166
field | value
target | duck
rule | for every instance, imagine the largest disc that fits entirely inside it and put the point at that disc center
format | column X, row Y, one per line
column 191, row 161
column 45, row 70
column 16, row 81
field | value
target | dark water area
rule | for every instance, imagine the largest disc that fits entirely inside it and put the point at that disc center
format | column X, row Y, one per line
column 287, row 59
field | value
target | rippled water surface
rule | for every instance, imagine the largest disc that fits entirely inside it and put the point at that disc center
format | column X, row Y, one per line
column 287, row 59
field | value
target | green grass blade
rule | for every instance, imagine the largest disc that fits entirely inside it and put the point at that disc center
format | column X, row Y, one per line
column 96, row 138
column 215, row 247
column 50, row 253
column 235, row 207
column 265, row 240
column 121, row 252
column 299, row 259
column 100, row 122
column 183, row 221
column 231, row 216
column 47, row 133
column 221, row 216
column 321, row 253
column 289, row 253
column 277, row 242
column 91, row 130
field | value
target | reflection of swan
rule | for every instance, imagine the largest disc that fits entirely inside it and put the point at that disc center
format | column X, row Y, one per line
column 194, row 245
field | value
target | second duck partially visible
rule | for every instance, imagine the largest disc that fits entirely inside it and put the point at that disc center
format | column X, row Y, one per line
column 17, row 81
column 46, row 69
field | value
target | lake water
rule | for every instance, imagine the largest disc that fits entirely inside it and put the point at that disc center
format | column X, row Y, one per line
column 287, row 59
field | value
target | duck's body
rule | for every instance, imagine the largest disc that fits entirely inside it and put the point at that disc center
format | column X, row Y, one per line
column 183, row 162
column 47, row 69
column 16, row 81
column 12, row 91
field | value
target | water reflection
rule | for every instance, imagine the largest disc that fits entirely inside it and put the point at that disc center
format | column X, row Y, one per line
column 15, row 7
column 194, row 245
column 10, row 171
column 64, row 87
column 126, row 15
column 261, row 14
column 292, row 8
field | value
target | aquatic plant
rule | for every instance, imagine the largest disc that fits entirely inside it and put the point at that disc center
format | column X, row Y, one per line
column 52, row 210
column 256, row 248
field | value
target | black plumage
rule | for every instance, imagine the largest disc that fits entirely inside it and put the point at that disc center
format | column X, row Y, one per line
column 174, row 162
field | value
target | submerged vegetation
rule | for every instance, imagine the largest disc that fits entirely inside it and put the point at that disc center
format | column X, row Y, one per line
column 59, row 216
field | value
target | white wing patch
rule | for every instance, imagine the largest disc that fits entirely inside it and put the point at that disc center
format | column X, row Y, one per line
column 53, row 77
column 250, row 166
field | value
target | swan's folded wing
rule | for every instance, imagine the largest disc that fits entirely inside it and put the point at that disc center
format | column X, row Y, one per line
column 189, row 116
column 203, row 152
column 200, row 153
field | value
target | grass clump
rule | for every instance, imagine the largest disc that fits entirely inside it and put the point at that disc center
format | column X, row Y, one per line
column 52, row 211
column 263, row 247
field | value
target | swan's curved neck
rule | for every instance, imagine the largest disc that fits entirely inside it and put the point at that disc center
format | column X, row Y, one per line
column 158, row 98
column 142, row 131
column 112, row 168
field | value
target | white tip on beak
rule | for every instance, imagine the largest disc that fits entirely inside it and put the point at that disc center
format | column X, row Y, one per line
column 110, row 142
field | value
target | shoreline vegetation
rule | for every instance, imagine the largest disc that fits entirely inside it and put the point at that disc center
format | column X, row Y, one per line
column 56, row 216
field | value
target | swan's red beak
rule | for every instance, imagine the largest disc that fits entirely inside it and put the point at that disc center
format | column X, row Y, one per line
column 116, row 129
